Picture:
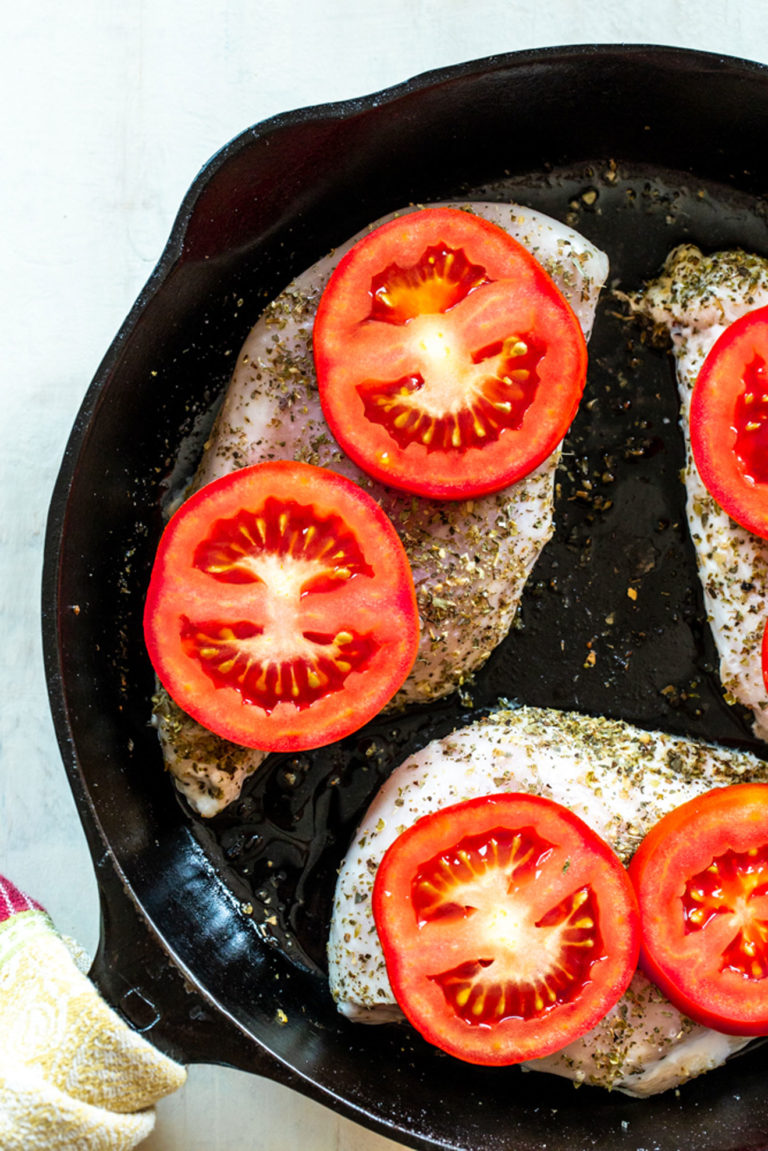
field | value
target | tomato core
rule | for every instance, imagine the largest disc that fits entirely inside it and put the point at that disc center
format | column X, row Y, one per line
column 457, row 396
column 525, row 964
column 279, row 662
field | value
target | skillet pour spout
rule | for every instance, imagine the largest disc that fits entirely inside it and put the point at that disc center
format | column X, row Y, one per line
column 213, row 934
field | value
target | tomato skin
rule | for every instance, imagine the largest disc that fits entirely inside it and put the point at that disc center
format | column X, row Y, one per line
column 701, row 969
column 343, row 637
column 426, row 954
column 351, row 350
column 725, row 442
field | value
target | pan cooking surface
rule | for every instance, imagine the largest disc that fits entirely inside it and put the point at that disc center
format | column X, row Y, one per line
column 582, row 643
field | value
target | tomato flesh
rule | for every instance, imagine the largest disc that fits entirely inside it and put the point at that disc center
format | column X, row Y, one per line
column 509, row 928
column 448, row 362
column 701, row 876
column 729, row 421
column 281, row 611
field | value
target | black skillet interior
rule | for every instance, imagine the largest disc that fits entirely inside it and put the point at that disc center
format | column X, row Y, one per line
column 214, row 932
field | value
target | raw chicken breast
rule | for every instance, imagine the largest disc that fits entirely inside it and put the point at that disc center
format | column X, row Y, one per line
column 619, row 780
column 695, row 298
column 470, row 559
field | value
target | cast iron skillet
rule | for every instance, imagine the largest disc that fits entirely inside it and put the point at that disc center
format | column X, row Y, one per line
column 213, row 935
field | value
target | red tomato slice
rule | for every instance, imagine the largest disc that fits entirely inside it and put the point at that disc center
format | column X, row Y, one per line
column 509, row 927
column 729, row 421
column 281, row 611
column 448, row 362
column 701, row 876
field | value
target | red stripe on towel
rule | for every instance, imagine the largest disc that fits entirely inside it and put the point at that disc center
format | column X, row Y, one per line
column 12, row 900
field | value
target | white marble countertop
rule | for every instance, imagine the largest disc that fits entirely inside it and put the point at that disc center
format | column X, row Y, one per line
column 108, row 112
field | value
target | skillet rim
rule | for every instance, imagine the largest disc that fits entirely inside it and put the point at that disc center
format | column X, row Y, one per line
column 173, row 252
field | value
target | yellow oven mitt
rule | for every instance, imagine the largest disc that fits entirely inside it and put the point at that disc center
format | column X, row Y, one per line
column 73, row 1075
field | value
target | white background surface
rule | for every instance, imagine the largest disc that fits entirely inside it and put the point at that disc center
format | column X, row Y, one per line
column 107, row 111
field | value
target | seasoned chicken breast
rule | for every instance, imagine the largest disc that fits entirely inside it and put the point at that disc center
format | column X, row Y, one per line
column 470, row 559
column 620, row 780
column 695, row 298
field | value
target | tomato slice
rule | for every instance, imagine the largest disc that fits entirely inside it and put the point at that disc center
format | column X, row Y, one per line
column 729, row 421
column 448, row 362
column 701, row 876
column 509, row 927
column 281, row 611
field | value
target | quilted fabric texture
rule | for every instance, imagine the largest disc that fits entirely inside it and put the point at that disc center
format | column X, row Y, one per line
column 72, row 1073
